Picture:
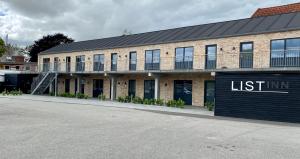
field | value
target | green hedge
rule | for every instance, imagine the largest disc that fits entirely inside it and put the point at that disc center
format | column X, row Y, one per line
column 70, row 95
column 13, row 92
column 137, row 100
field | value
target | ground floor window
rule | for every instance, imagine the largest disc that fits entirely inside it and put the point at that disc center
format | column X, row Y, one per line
column 209, row 92
column 149, row 86
column 131, row 87
column 82, row 86
column 183, row 90
column 97, row 87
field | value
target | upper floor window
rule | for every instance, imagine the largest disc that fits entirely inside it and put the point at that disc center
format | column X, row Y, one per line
column 246, row 55
column 132, row 60
column 285, row 53
column 152, row 59
column 99, row 62
column 46, row 64
column 184, row 58
column 211, row 56
column 80, row 63
column 55, row 64
column 114, row 61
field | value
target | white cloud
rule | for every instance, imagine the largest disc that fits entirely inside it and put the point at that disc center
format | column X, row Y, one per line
column 26, row 21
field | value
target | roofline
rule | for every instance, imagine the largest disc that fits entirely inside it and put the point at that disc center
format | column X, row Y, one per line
column 271, row 7
column 188, row 40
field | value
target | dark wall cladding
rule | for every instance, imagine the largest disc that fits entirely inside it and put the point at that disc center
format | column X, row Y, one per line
column 262, row 96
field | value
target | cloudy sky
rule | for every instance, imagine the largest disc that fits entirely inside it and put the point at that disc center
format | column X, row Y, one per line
column 27, row 20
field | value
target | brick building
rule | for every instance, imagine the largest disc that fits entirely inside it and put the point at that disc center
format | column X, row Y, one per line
column 178, row 63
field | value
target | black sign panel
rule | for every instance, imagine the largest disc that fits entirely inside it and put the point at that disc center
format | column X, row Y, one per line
column 258, row 96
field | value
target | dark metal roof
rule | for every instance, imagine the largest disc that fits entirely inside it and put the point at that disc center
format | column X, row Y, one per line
column 249, row 26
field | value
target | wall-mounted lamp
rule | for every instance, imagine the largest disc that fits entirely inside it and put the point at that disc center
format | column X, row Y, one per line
column 167, row 53
column 119, row 56
column 149, row 74
column 89, row 58
column 119, row 83
column 221, row 49
column 63, row 59
column 126, row 56
column 105, row 74
column 233, row 48
column 166, row 84
column 125, row 83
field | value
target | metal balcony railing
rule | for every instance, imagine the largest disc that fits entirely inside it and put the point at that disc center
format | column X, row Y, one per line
column 98, row 66
column 246, row 60
column 182, row 63
column 80, row 66
column 287, row 58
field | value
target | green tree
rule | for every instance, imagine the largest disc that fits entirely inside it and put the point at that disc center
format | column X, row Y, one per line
column 2, row 47
column 46, row 43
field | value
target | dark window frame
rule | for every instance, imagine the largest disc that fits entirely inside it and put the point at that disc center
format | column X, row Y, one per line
column 132, row 67
column 284, row 49
column 241, row 50
column 157, row 66
column 114, row 67
column 189, row 65
column 206, row 55
column 99, row 63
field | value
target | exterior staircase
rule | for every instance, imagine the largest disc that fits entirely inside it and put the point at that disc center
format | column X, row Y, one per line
column 42, row 82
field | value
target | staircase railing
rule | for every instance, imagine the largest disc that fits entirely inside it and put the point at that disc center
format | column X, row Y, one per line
column 38, row 81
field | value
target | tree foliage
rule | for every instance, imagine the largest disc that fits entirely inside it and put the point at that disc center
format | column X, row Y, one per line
column 2, row 47
column 47, row 42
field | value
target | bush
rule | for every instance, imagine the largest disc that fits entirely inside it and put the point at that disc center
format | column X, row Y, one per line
column 176, row 103
column 159, row 102
column 209, row 105
column 137, row 100
column 101, row 97
column 81, row 96
column 13, row 92
column 121, row 99
column 68, row 95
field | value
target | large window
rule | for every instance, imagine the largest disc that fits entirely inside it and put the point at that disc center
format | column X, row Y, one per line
column 80, row 63
column 46, row 64
column 55, row 64
column 184, row 58
column 285, row 53
column 99, row 62
column 152, row 59
column 211, row 57
column 114, row 61
column 132, row 61
column 246, row 55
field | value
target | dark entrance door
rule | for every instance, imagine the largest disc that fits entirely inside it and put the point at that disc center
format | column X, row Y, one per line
column 209, row 91
column 183, row 90
column 149, row 89
column 97, row 87
column 68, row 64
column 82, row 86
column 131, row 88
column 67, row 85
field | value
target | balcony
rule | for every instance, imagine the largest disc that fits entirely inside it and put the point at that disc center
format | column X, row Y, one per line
column 185, row 63
column 152, row 66
column 80, row 66
column 246, row 60
column 287, row 58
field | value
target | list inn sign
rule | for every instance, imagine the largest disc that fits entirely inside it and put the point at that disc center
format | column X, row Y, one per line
column 260, row 86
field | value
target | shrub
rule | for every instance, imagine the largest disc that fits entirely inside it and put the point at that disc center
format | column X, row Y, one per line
column 13, row 92
column 159, row 102
column 137, row 100
column 209, row 105
column 81, row 96
column 176, row 103
column 101, row 97
column 121, row 99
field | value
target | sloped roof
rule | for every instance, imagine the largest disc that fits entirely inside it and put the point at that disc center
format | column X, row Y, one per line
column 249, row 26
column 289, row 8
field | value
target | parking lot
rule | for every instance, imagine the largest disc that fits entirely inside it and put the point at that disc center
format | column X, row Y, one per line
column 34, row 129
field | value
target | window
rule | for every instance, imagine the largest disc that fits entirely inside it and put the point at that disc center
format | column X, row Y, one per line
column 132, row 61
column 152, row 59
column 99, row 62
column 114, row 61
column 7, row 67
column 80, row 63
column 184, row 58
column 149, row 86
column 246, row 55
column 55, row 67
column 46, row 64
column 285, row 53
column 17, row 67
column 211, row 56
column 68, row 64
